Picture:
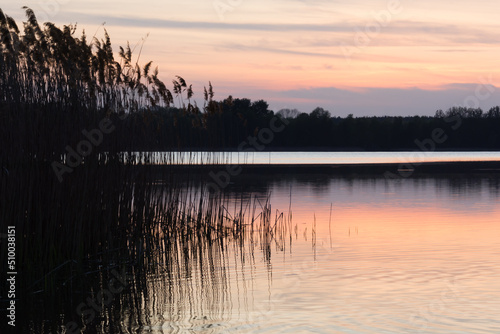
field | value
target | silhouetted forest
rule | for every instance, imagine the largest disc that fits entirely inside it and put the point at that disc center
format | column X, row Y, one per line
column 231, row 122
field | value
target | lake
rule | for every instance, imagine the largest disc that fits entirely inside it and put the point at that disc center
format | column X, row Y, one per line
column 359, row 255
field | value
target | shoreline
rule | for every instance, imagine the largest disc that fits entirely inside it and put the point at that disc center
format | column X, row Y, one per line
column 400, row 169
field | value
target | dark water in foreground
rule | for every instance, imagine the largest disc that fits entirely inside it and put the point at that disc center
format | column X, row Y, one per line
column 360, row 255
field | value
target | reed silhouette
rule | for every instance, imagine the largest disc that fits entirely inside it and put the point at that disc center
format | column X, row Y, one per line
column 111, row 212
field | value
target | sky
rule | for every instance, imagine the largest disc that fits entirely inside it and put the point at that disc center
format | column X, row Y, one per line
column 360, row 57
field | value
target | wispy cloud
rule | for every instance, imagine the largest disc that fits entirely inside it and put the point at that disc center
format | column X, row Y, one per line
column 164, row 23
column 454, row 33
column 253, row 48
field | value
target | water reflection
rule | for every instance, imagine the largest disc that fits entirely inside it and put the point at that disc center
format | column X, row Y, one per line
column 413, row 255
column 292, row 158
column 187, row 289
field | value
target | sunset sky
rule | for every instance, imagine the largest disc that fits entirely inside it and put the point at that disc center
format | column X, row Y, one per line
column 397, row 57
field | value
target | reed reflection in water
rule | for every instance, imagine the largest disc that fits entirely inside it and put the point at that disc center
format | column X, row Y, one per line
column 195, row 280
column 358, row 255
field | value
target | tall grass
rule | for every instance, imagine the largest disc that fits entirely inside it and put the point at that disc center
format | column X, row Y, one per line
column 50, row 66
column 54, row 84
column 110, row 211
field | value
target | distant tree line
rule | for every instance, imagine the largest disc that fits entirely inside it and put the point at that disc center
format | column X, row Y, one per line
column 227, row 123
column 56, row 88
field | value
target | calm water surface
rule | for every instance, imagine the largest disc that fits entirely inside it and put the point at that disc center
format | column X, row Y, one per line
column 360, row 255
column 311, row 157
